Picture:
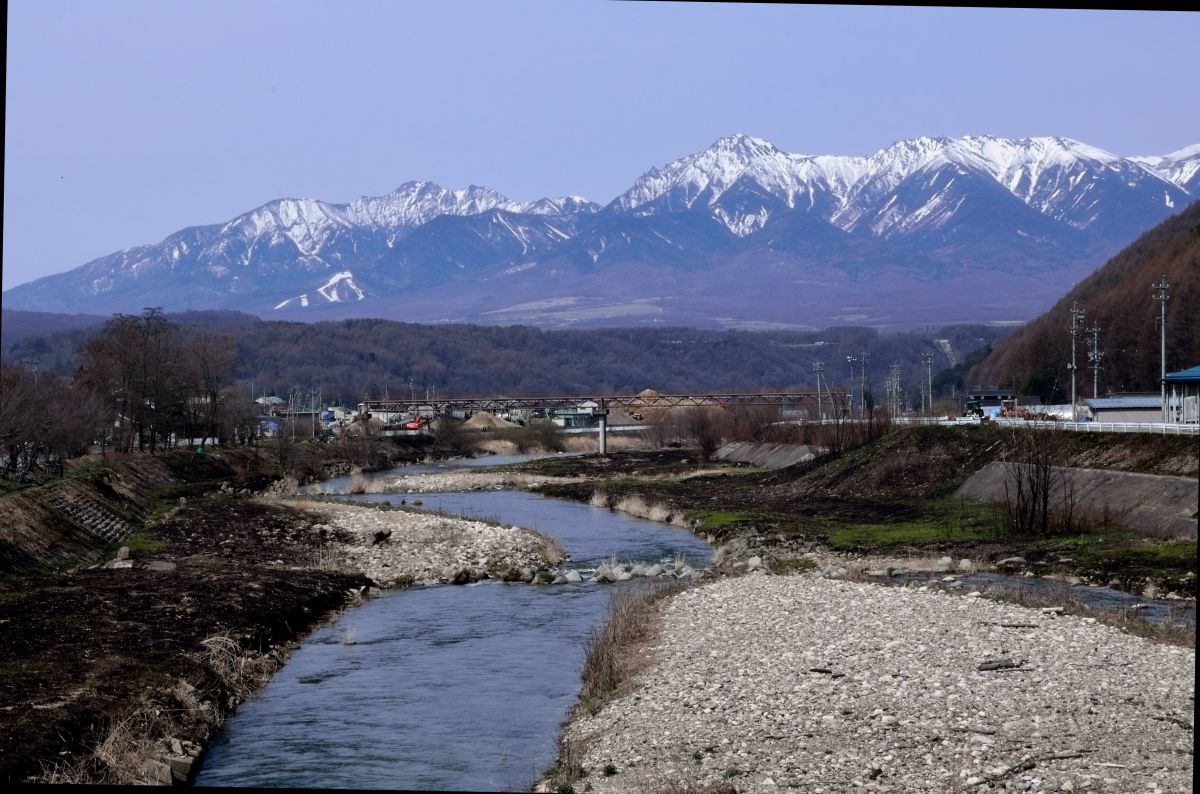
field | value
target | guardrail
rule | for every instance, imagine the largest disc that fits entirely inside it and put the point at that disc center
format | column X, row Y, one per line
column 1157, row 428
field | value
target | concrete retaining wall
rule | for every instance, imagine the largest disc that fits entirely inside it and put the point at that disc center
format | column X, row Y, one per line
column 767, row 456
column 1158, row 505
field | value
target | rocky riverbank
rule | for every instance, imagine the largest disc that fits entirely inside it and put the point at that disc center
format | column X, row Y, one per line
column 403, row 547
column 765, row 682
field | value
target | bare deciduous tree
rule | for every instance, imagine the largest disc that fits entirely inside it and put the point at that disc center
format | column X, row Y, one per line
column 1039, row 498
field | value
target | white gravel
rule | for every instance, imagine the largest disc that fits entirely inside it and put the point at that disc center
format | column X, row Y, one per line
column 469, row 481
column 736, row 695
column 429, row 548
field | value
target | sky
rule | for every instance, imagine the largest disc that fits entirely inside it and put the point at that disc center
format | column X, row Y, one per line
column 127, row 120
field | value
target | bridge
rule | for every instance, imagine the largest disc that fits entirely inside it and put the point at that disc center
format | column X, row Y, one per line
column 814, row 402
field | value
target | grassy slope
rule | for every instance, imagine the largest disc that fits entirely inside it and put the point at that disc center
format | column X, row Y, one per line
column 894, row 496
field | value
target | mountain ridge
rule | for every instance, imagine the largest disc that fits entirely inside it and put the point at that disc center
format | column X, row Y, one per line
column 924, row 207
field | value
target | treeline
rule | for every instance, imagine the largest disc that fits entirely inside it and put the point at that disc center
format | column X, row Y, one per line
column 349, row 359
column 140, row 382
column 1119, row 299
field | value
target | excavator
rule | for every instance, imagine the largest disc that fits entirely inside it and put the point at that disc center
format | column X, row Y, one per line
column 973, row 408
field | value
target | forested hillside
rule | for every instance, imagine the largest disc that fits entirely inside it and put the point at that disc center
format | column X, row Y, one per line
column 1119, row 298
column 348, row 359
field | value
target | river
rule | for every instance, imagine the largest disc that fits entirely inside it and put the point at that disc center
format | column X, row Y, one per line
column 464, row 688
column 445, row 688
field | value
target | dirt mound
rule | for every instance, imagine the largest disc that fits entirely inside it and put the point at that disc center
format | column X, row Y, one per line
column 486, row 421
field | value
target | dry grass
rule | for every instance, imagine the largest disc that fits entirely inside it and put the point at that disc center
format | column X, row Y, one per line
column 124, row 756
column 611, row 649
column 635, row 505
column 128, row 750
column 1168, row 632
column 612, row 659
column 240, row 672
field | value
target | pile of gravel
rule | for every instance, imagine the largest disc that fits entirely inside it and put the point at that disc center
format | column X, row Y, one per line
column 394, row 545
column 771, row 682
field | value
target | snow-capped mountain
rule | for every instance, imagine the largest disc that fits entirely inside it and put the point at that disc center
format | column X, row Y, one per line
column 739, row 232
column 1180, row 167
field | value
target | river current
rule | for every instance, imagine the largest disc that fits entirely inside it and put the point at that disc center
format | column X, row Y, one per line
column 445, row 687
column 464, row 688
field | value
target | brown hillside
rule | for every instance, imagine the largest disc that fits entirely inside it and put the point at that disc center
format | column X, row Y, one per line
column 1118, row 296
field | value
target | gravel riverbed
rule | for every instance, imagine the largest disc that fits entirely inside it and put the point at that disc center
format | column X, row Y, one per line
column 771, row 682
column 465, row 480
column 388, row 545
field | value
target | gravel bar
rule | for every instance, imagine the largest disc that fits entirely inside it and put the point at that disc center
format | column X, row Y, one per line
column 390, row 545
column 770, row 682
column 458, row 480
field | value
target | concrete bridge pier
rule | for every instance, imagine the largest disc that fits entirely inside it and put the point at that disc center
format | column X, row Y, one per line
column 603, row 414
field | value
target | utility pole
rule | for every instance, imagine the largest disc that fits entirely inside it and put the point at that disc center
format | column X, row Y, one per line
column 1095, row 354
column 1160, row 295
column 865, row 358
column 927, row 359
column 850, row 390
column 412, row 389
column 893, row 390
column 819, row 367
column 1076, row 324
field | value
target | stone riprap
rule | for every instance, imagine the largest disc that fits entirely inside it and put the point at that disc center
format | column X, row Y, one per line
column 469, row 481
column 769, row 682
column 390, row 545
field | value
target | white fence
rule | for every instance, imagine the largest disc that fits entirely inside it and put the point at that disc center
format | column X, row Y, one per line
column 1157, row 428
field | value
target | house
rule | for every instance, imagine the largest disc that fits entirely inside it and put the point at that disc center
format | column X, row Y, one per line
column 583, row 415
column 1183, row 395
column 1126, row 408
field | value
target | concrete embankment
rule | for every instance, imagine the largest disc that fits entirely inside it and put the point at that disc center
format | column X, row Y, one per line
column 1159, row 505
column 767, row 456
column 769, row 682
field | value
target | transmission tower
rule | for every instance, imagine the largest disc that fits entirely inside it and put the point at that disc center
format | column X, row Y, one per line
column 1076, row 324
column 1160, row 295
column 1095, row 356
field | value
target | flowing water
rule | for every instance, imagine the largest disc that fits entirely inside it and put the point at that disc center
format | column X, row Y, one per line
column 445, row 688
column 464, row 688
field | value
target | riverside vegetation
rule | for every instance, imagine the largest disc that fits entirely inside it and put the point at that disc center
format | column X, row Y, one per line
column 120, row 671
column 228, row 581
column 804, row 681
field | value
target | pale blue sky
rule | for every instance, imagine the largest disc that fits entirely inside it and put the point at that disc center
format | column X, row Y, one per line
column 128, row 120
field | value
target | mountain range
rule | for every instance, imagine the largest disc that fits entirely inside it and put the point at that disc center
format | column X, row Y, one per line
column 741, row 234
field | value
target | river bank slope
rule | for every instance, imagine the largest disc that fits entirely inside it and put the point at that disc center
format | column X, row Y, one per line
column 895, row 498
column 120, row 671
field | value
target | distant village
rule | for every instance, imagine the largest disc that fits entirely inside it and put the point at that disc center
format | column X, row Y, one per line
column 1177, row 403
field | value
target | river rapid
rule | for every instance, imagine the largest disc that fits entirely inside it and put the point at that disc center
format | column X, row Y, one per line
column 444, row 687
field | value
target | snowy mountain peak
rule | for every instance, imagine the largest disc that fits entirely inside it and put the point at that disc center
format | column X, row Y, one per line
column 1181, row 167
column 562, row 205
column 746, row 147
column 703, row 177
